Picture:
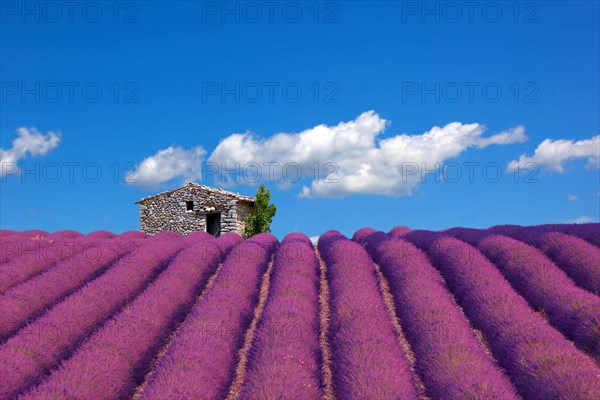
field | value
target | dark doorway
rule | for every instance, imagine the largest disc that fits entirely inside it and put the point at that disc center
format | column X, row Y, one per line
column 213, row 224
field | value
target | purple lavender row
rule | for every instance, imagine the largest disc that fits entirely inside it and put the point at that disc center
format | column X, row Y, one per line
column 25, row 301
column 36, row 258
column 134, row 235
column 588, row 232
column 101, row 235
column 540, row 361
column 65, row 234
column 367, row 359
column 39, row 234
column 33, row 233
column 13, row 246
column 42, row 344
column 531, row 235
column 198, row 236
column 449, row 359
column 284, row 359
column 470, row 235
column 18, row 246
column 113, row 361
column 362, row 235
column 200, row 362
column 572, row 310
column 578, row 258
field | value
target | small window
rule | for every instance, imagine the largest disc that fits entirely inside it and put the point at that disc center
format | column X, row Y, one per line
column 189, row 205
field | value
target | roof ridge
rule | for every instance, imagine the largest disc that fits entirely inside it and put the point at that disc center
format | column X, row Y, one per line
column 203, row 187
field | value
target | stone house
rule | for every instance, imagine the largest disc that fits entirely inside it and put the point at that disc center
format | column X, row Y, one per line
column 195, row 207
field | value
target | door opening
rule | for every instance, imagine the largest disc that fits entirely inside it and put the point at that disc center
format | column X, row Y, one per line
column 213, row 224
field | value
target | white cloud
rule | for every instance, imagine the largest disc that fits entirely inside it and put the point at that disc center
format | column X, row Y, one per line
column 513, row 135
column 165, row 165
column 364, row 164
column 314, row 240
column 571, row 197
column 553, row 154
column 28, row 141
column 350, row 153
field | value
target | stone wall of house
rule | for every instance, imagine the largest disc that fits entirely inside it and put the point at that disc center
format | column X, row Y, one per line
column 244, row 209
column 169, row 211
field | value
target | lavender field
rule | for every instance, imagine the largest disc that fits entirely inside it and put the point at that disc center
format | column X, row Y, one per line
column 503, row 313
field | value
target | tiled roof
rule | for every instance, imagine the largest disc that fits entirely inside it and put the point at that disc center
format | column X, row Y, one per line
column 234, row 195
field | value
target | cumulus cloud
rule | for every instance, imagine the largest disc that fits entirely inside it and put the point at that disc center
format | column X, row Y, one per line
column 571, row 197
column 174, row 162
column 28, row 141
column 513, row 135
column 338, row 160
column 554, row 154
column 357, row 161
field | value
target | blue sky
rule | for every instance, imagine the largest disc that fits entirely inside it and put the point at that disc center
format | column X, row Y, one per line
column 93, row 92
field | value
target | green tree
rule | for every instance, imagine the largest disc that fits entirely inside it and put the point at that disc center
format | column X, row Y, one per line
column 260, row 220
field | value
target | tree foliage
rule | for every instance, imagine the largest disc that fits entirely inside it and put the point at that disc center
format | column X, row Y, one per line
column 260, row 220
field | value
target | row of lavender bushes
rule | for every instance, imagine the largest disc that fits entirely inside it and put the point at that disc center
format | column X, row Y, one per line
column 201, row 359
column 579, row 259
column 23, row 256
column 37, row 258
column 27, row 300
column 449, row 358
column 113, row 361
column 589, row 232
column 541, row 362
column 39, row 346
column 574, row 255
column 367, row 359
column 571, row 309
column 285, row 360
column 65, row 234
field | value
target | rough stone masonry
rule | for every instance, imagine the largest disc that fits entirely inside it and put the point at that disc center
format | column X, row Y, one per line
column 188, row 208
